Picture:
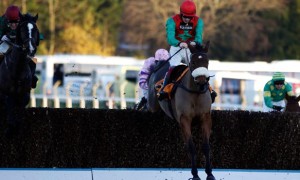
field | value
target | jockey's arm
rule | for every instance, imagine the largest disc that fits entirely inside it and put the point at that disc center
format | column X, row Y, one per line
column 267, row 96
column 289, row 89
column 199, row 32
column 170, row 30
column 2, row 25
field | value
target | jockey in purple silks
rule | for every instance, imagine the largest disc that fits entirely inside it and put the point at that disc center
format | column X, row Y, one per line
column 160, row 55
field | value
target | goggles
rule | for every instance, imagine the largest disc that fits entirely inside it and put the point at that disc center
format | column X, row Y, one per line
column 13, row 21
column 187, row 17
column 279, row 82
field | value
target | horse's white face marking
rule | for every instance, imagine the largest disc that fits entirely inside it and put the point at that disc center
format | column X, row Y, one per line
column 200, row 71
column 30, row 27
column 199, row 57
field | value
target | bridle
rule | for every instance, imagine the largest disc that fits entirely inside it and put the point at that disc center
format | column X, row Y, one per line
column 200, row 87
column 30, row 40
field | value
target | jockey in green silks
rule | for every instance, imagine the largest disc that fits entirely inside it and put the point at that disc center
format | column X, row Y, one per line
column 274, row 93
column 183, row 29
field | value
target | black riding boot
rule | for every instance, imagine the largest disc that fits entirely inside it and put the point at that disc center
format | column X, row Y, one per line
column 32, row 66
column 213, row 95
column 162, row 94
column 142, row 104
column 1, row 57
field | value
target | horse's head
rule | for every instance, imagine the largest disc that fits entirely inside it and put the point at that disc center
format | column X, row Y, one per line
column 292, row 104
column 28, row 34
column 199, row 63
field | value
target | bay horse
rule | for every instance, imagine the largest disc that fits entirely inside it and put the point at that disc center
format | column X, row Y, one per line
column 15, row 73
column 292, row 103
column 191, row 101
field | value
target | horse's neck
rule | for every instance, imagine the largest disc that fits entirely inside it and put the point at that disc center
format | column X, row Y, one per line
column 189, row 81
column 16, row 54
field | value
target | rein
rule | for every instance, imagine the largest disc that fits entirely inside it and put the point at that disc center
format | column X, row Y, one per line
column 201, row 89
column 166, row 61
column 14, row 44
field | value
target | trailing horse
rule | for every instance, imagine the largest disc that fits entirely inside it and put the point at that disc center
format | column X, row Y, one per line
column 15, row 73
column 190, row 101
column 292, row 103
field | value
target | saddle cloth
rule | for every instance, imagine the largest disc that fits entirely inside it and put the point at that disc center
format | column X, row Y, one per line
column 176, row 75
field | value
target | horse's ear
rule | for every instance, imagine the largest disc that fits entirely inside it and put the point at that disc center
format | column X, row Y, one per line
column 21, row 16
column 298, row 98
column 287, row 97
column 205, row 49
column 35, row 18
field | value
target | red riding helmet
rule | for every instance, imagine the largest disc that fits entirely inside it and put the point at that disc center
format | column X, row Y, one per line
column 12, row 13
column 188, row 8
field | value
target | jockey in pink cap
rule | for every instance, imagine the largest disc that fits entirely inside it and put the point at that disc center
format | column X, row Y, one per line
column 160, row 55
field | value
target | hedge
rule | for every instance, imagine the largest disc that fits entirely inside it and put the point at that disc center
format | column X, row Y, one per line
column 85, row 138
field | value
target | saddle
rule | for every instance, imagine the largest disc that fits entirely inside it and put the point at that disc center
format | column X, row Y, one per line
column 175, row 77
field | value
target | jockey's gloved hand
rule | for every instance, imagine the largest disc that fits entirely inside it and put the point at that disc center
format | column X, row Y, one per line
column 193, row 43
column 5, row 38
column 277, row 108
column 183, row 45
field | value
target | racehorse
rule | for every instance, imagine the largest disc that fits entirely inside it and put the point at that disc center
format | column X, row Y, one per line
column 292, row 103
column 15, row 73
column 191, row 100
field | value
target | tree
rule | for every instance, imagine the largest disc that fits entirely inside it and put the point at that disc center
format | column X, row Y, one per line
column 285, row 40
column 143, row 24
column 238, row 29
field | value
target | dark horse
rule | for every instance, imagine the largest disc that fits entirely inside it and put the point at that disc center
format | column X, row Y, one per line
column 292, row 103
column 190, row 101
column 15, row 73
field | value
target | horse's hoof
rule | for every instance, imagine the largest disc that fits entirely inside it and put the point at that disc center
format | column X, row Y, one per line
column 210, row 177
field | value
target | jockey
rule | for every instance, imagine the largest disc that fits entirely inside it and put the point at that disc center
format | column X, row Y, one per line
column 8, row 25
column 274, row 93
column 181, row 29
column 160, row 55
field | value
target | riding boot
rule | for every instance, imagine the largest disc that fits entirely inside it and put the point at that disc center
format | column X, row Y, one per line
column 213, row 94
column 32, row 66
column 142, row 104
column 1, row 57
column 163, row 94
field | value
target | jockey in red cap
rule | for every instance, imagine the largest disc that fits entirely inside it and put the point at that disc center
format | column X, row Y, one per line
column 8, row 25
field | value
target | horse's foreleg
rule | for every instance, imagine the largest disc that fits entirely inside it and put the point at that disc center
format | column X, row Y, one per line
column 188, row 140
column 15, row 110
column 206, row 130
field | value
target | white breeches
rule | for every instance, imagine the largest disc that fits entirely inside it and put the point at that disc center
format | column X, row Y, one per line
column 180, row 57
column 279, row 103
